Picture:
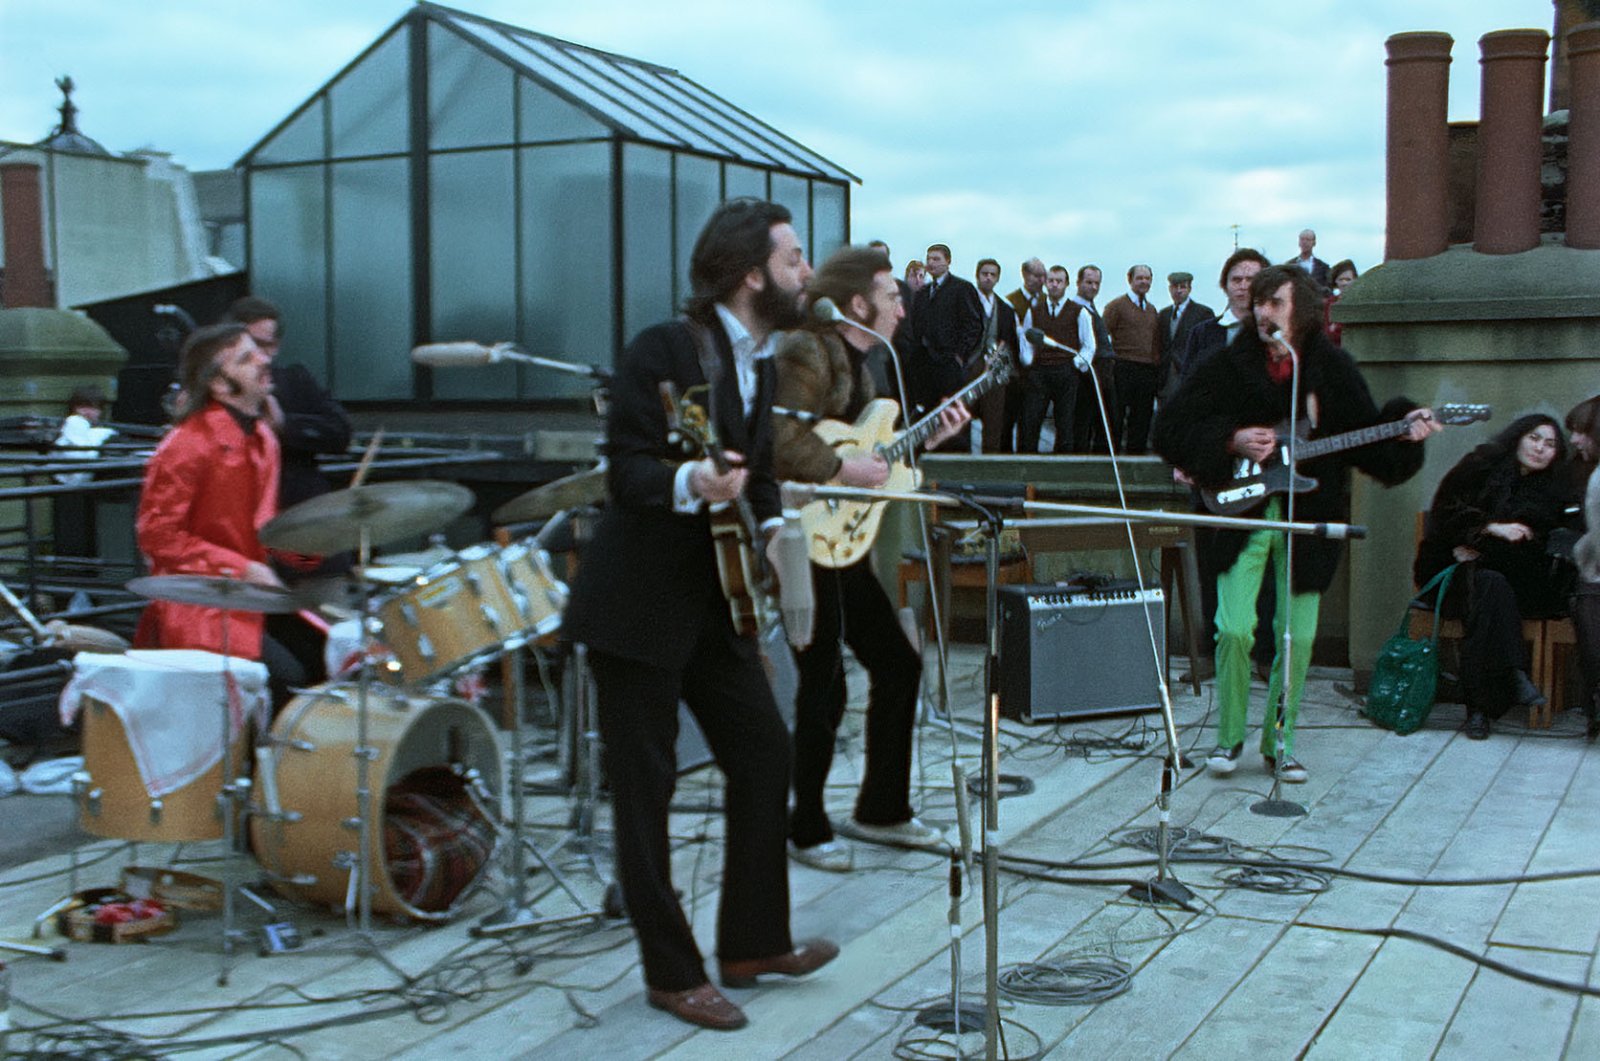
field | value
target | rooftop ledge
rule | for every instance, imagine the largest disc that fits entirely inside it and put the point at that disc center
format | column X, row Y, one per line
column 1552, row 280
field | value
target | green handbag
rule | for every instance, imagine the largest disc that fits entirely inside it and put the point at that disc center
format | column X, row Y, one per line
column 1406, row 672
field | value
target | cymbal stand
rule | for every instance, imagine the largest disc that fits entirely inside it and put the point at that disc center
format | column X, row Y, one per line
column 517, row 913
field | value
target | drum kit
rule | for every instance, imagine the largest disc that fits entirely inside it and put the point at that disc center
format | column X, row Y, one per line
column 421, row 847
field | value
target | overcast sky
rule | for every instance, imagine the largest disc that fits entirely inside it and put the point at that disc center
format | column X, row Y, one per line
column 1078, row 130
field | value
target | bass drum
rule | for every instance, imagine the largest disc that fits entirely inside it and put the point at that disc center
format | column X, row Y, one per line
column 435, row 779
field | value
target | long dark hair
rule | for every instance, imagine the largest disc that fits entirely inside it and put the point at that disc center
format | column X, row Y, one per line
column 1503, row 447
column 736, row 239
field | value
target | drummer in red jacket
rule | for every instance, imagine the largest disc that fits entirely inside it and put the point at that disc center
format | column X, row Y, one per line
column 211, row 485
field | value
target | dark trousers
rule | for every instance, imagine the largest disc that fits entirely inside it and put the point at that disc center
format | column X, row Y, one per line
column 291, row 648
column 1049, row 386
column 1089, row 432
column 1136, row 399
column 1586, row 624
column 852, row 607
column 1491, row 649
column 933, row 379
column 999, row 420
column 727, row 693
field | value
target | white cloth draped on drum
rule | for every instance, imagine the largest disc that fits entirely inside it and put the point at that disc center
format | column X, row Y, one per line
column 168, row 700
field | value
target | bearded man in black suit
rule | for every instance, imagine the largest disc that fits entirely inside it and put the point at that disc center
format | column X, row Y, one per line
column 648, row 605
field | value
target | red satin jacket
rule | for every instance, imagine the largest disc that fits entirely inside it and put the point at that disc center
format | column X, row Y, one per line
column 207, row 491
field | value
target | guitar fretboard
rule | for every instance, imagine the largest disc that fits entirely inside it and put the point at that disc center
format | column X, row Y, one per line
column 919, row 432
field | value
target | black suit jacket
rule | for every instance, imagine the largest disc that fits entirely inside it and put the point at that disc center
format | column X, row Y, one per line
column 947, row 327
column 1005, row 328
column 647, row 588
column 313, row 423
column 1319, row 271
column 1172, row 341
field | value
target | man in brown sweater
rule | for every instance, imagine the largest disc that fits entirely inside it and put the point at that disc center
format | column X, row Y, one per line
column 1131, row 320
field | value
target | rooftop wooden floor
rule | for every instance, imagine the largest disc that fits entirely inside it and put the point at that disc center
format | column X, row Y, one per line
column 1245, row 973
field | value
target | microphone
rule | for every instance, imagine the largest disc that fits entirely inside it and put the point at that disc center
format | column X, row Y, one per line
column 1038, row 338
column 454, row 355
column 1275, row 335
column 796, row 599
column 825, row 309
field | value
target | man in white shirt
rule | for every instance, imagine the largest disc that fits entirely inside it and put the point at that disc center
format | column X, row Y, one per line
column 1055, row 369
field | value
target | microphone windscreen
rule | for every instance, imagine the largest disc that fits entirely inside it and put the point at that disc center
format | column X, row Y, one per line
column 824, row 309
column 1035, row 336
column 795, row 596
column 451, row 355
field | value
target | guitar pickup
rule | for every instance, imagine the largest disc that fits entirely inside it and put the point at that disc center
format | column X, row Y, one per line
column 1243, row 493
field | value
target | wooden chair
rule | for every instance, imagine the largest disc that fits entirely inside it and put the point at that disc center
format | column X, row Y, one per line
column 965, row 572
column 1533, row 632
column 1559, row 636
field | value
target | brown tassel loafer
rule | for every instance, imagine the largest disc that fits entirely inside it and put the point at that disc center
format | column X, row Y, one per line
column 704, row 1006
column 808, row 957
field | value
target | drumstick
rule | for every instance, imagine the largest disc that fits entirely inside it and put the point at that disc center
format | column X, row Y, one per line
column 23, row 613
column 366, row 459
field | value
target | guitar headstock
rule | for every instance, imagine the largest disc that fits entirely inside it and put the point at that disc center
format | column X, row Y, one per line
column 998, row 361
column 689, row 430
column 1456, row 414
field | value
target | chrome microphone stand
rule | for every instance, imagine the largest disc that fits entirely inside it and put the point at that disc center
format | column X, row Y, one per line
column 1275, row 806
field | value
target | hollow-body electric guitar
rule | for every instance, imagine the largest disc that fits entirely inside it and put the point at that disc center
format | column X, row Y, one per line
column 1252, row 482
column 838, row 533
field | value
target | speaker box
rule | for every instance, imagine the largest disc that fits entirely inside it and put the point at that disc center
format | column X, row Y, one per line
column 1071, row 653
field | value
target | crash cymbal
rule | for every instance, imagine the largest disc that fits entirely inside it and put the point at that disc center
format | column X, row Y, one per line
column 390, row 511
column 542, row 502
column 69, row 637
column 391, row 574
column 211, row 591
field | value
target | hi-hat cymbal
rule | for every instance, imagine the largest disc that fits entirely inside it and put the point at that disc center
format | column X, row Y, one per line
column 542, row 502
column 389, row 511
column 211, row 591
column 70, row 637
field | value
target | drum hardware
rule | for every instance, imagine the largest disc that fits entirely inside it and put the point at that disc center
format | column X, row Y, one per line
column 517, row 914
column 230, row 596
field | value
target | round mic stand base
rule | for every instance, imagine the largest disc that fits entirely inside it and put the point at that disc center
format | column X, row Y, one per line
column 1277, row 808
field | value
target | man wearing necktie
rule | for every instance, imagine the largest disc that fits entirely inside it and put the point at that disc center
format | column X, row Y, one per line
column 946, row 329
column 1131, row 323
column 1173, row 326
column 1053, row 372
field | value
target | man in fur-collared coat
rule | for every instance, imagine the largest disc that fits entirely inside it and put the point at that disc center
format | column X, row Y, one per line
column 822, row 370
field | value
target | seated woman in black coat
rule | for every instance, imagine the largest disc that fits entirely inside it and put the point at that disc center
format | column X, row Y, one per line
column 1492, row 514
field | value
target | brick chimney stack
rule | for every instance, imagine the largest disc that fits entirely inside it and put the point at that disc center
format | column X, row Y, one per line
column 26, row 281
column 1509, row 144
column 1583, row 137
column 1418, row 221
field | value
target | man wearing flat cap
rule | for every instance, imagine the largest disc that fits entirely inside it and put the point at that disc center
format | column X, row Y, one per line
column 1174, row 323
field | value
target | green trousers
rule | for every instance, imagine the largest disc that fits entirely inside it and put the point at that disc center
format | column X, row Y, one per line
column 1237, row 589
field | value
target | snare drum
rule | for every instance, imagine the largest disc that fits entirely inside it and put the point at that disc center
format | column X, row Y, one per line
column 456, row 613
column 433, row 775
column 540, row 596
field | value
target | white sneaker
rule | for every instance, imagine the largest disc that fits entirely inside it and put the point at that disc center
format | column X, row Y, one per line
column 912, row 833
column 831, row 857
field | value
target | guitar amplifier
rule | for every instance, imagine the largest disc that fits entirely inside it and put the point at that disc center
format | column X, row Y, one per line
column 1070, row 653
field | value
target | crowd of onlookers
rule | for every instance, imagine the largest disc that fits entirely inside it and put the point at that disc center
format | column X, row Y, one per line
column 1086, row 379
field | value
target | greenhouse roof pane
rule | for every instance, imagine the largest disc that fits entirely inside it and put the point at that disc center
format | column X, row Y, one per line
column 637, row 99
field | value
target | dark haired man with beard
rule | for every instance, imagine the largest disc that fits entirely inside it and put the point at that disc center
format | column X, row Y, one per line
column 648, row 605
column 1228, row 412
column 822, row 369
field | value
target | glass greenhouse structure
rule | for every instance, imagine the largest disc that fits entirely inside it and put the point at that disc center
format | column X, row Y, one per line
column 467, row 179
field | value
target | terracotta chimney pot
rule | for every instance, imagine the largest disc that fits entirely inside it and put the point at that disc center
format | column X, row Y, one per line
column 1509, row 145
column 1418, row 220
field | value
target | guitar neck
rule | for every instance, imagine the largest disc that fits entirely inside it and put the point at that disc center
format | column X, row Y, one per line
column 1350, row 439
column 919, row 432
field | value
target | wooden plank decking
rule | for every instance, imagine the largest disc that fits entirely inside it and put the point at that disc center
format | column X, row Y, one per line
column 1247, row 973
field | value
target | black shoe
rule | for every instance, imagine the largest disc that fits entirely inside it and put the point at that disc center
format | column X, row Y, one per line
column 1291, row 773
column 1528, row 694
column 1477, row 727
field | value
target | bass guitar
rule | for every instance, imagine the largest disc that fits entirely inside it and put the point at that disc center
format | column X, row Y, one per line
column 1252, row 483
column 838, row 533
column 742, row 569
